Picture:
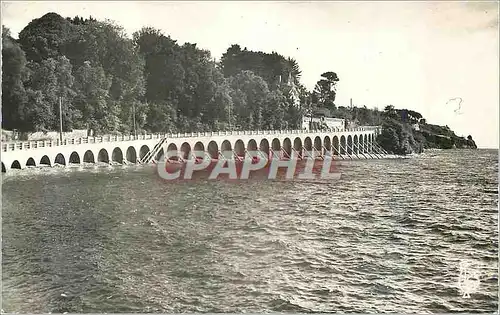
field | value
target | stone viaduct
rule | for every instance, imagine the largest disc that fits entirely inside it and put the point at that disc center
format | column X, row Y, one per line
column 342, row 144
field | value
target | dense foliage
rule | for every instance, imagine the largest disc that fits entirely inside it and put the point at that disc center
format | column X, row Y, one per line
column 107, row 82
column 405, row 131
column 104, row 80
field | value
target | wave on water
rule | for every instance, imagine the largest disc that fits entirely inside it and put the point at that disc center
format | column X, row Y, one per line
column 388, row 236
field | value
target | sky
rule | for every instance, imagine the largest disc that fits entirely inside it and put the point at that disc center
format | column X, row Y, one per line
column 438, row 58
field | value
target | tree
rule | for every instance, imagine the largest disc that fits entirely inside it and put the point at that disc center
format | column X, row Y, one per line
column 14, row 74
column 218, row 104
column 185, row 77
column 46, row 37
column 397, row 137
column 390, row 112
column 163, row 71
column 271, row 67
column 231, row 60
column 249, row 96
column 325, row 91
column 50, row 80
column 105, row 45
column 92, row 97
column 413, row 116
column 161, row 117
column 273, row 111
column 294, row 69
column 116, row 63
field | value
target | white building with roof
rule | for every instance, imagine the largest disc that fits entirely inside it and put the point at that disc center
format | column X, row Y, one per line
column 322, row 122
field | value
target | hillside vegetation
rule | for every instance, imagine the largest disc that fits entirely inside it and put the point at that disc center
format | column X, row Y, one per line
column 109, row 83
column 405, row 131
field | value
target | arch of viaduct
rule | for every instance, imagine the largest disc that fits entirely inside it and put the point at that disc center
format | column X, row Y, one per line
column 131, row 149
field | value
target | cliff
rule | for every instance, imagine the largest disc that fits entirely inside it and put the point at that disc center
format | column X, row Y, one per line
column 443, row 138
column 406, row 132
